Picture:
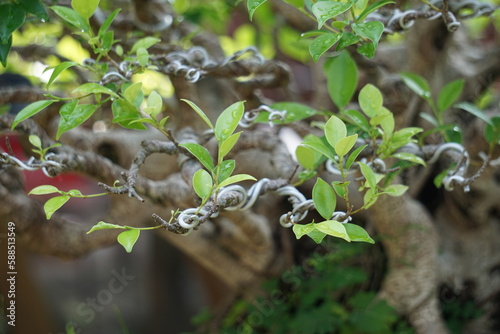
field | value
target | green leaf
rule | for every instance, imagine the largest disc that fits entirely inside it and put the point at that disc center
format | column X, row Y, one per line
column 31, row 110
column 472, row 109
column 200, row 153
column 313, row 33
column 370, row 197
column 342, row 78
column 93, row 88
column 199, row 112
column 202, row 183
column 307, row 157
column 370, row 100
column 449, row 94
column 318, row 145
column 53, row 204
column 144, row 43
column 154, row 104
column 70, row 119
column 236, row 178
column 143, row 56
column 492, row 131
column 294, row 112
column 228, row 121
column 128, row 239
column 125, row 114
column 409, row 157
column 44, row 190
column 367, row 50
column 75, row 193
column 333, row 228
column 335, row 130
column 369, row 175
column 429, row 118
column 228, row 144
column 396, row 190
column 340, row 187
column 58, row 70
column 85, row 8
column 326, row 10
column 134, row 94
column 226, row 168
column 321, row 44
column 301, row 230
column 347, row 39
column 252, row 6
column 35, row 141
column 344, row 145
column 103, row 226
column 107, row 23
column 357, row 233
column 4, row 51
column 324, row 198
column 12, row 17
column 353, row 156
column 417, row 84
column 316, row 235
column 371, row 30
column 72, row 17
column 36, row 8
column 358, row 118
column 387, row 122
column 370, row 9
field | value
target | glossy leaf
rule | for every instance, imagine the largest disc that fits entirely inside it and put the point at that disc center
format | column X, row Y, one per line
column 4, row 50
column 228, row 121
column 93, row 88
column 324, row 198
column 199, row 112
column 103, row 226
column 449, row 94
column 472, row 109
column 85, row 8
column 371, row 30
column 358, row 118
column 202, row 183
column 373, row 7
column 227, row 145
column 44, row 190
column 57, row 70
column 301, row 230
column 321, row 44
column 236, row 178
column 12, row 17
column 252, row 6
column 70, row 119
column 370, row 100
column 335, row 130
column 318, row 145
column 367, row 50
column 369, row 175
column 54, row 204
column 357, row 233
column 226, row 168
column 72, row 17
column 200, row 153
column 342, row 79
column 36, row 8
column 326, row 10
column 128, row 239
column 417, row 84
column 409, row 157
column 347, row 39
column 31, row 110
column 344, row 145
column 333, row 228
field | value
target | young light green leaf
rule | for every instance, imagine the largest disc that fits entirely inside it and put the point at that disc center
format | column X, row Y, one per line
column 93, row 88
column 341, row 78
column 72, row 17
column 409, row 157
column 107, row 23
column 326, row 10
column 143, row 56
column 472, row 109
column 370, row 197
column 202, row 183
column 369, row 175
column 154, row 104
column 74, row 193
column 200, row 153
column 449, row 94
column 199, row 112
column 35, row 141
column 417, row 84
column 31, row 110
column 252, row 6
column 333, row 228
column 43, row 190
column 373, row 7
column 370, row 100
column 340, row 188
column 85, row 8
column 228, row 144
column 321, row 44
column 104, row 226
column 134, row 94
column 324, row 198
column 396, row 190
column 228, row 121
column 318, row 145
column 57, row 70
column 387, row 123
column 353, row 156
column 335, row 130
column 226, row 168
column 307, row 157
column 144, row 43
column 236, row 178
column 128, row 239
column 301, row 230
column 70, row 119
column 53, row 204
column 371, row 30
column 357, row 233
column 316, row 235
column 344, row 145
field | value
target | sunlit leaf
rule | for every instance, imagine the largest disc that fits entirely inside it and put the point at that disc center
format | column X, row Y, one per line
column 31, row 110
column 53, row 204
column 301, row 230
column 43, row 190
column 333, row 228
column 236, row 178
column 335, row 130
column 85, row 8
column 344, row 145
